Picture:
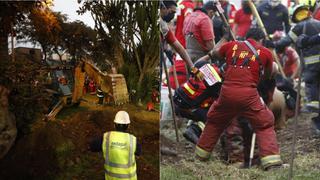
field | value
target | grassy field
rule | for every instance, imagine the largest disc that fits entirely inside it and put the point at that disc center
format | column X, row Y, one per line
column 185, row 166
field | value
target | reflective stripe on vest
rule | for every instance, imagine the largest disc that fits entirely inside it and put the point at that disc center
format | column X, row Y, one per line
column 118, row 151
column 187, row 87
column 312, row 59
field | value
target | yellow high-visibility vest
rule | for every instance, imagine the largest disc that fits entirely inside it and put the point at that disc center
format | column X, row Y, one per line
column 119, row 153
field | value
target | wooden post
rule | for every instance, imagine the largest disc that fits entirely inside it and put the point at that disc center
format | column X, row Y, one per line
column 171, row 99
column 294, row 136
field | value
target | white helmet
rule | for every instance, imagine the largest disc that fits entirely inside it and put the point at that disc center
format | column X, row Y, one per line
column 122, row 117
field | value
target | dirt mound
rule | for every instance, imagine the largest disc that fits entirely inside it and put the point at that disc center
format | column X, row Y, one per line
column 59, row 149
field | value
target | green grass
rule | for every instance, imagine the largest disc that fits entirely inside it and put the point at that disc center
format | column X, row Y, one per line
column 306, row 168
column 170, row 172
column 306, row 165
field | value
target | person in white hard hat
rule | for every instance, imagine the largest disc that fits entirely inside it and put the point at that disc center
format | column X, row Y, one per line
column 119, row 149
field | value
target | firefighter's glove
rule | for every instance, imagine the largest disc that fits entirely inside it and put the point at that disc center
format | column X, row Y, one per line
column 268, row 44
column 302, row 41
column 197, row 73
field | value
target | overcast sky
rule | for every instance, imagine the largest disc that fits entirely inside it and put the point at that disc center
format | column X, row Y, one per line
column 70, row 7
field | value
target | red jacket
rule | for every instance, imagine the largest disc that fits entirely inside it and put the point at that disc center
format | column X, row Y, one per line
column 184, row 9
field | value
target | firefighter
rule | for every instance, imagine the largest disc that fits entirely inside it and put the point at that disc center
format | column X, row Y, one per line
column 198, row 31
column 100, row 95
column 248, row 62
column 119, row 149
column 308, row 26
column 275, row 16
column 167, row 11
column 192, row 101
column 229, row 11
column 288, row 56
column 242, row 20
column 185, row 8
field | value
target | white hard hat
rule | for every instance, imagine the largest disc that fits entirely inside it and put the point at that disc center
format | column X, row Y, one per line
column 122, row 117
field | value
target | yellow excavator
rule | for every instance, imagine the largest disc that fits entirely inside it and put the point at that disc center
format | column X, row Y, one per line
column 113, row 85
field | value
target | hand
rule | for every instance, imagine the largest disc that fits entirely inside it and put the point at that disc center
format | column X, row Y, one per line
column 302, row 41
column 268, row 44
column 198, row 74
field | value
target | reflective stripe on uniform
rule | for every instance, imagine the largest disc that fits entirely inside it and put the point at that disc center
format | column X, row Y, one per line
column 130, row 162
column 187, row 87
column 293, row 36
column 201, row 125
column 314, row 104
column 215, row 74
column 312, row 59
column 202, row 153
column 123, row 176
column 268, row 161
column 118, row 150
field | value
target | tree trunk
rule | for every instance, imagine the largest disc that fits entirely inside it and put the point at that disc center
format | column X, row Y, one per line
column 118, row 56
column 141, row 76
column 4, row 54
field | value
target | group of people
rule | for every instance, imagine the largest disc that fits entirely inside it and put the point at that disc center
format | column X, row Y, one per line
column 239, row 104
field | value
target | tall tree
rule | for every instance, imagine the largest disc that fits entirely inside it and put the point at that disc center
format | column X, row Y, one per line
column 78, row 39
column 130, row 26
column 44, row 27
column 11, row 13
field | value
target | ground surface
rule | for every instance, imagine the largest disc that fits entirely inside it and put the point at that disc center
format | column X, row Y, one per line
column 59, row 149
column 185, row 166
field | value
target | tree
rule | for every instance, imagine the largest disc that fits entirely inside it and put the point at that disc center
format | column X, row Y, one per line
column 20, row 78
column 131, row 28
column 78, row 39
column 12, row 13
column 44, row 27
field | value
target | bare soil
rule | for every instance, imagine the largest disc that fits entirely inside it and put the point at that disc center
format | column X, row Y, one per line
column 59, row 149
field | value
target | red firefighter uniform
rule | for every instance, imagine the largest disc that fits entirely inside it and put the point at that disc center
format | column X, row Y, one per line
column 229, row 11
column 184, row 9
column 239, row 98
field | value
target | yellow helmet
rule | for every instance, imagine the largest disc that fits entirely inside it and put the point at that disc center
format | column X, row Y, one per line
column 309, row 3
column 122, row 117
column 300, row 13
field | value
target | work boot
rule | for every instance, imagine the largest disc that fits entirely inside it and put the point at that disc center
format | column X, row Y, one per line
column 277, row 166
column 192, row 133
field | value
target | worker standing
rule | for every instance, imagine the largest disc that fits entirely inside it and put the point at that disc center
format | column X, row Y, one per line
column 248, row 62
column 100, row 95
column 185, row 8
column 242, row 20
column 275, row 16
column 229, row 11
column 198, row 31
column 119, row 149
column 309, row 41
column 167, row 11
column 308, row 26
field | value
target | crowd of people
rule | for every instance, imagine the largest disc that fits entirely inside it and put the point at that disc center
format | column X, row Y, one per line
column 254, row 75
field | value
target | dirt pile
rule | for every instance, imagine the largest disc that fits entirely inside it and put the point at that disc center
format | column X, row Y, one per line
column 59, row 149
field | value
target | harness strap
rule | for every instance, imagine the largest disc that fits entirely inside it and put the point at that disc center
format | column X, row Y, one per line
column 254, row 51
column 234, row 60
column 245, row 62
